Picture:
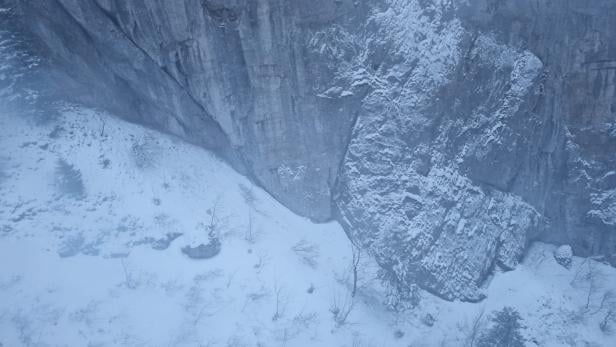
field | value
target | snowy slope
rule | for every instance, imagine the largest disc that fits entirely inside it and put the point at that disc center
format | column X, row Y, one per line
column 94, row 267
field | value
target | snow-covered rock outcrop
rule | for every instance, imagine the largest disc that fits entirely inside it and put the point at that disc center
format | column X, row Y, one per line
column 564, row 256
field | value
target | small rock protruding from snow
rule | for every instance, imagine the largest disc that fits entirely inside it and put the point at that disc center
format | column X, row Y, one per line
column 202, row 251
column 428, row 319
column 564, row 256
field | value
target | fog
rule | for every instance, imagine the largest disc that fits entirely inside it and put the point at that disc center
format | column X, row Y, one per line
column 307, row 173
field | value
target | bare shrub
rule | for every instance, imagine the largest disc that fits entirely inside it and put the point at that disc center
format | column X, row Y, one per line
column 308, row 252
column 608, row 320
column 144, row 152
column 248, row 195
column 356, row 251
column 68, row 179
column 250, row 235
column 341, row 308
column 476, row 326
column 129, row 280
column 305, row 320
column 212, row 229
column 597, row 300
column 280, row 302
column 261, row 263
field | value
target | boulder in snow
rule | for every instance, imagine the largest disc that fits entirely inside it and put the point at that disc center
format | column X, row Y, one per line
column 202, row 251
column 564, row 255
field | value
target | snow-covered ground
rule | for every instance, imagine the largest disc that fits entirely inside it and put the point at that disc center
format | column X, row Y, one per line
column 97, row 264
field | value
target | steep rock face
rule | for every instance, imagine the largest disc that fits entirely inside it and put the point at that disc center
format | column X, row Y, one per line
column 427, row 177
column 486, row 129
column 242, row 64
column 92, row 62
column 450, row 134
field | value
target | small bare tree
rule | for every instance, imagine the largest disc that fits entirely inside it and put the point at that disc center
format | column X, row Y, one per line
column 280, row 302
column 587, row 276
column 212, row 226
column 341, row 308
column 607, row 307
column 307, row 251
column 356, row 250
column 129, row 281
column 591, row 278
column 218, row 225
column 103, row 123
column 260, row 263
column 249, row 236
column 475, row 329
column 248, row 195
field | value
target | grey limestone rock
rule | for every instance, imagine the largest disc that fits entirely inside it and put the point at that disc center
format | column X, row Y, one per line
column 444, row 135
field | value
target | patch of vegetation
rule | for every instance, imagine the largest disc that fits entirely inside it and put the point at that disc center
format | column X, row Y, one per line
column 505, row 330
column 144, row 152
column 68, row 179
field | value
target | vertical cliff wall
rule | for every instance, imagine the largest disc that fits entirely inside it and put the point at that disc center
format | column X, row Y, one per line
column 444, row 135
column 233, row 75
column 490, row 124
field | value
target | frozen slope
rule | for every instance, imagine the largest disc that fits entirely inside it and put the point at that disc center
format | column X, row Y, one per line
column 83, row 268
column 95, row 265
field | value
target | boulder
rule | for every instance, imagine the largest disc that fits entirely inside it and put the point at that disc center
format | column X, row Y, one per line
column 564, row 256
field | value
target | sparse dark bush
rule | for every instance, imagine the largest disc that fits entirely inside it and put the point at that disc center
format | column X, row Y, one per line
column 505, row 330
column 607, row 321
column 71, row 246
column 68, row 179
column 428, row 320
column 398, row 334
column 56, row 132
column 341, row 308
column 307, row 252
column 165, row 242
column 213, row 247
column 248, row 195
column 105, row 163
column 144, row 152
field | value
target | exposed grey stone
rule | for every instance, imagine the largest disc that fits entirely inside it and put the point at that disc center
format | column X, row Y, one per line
column 444, row 136
column 202, row 251
column 564, row 255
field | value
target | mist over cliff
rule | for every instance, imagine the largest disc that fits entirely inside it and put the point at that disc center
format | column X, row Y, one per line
column 444, row 136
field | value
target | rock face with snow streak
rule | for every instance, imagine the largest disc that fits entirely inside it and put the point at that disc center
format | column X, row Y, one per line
column 233, row 75
column 483, row 134
column 444, row 135
column 426, row 179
